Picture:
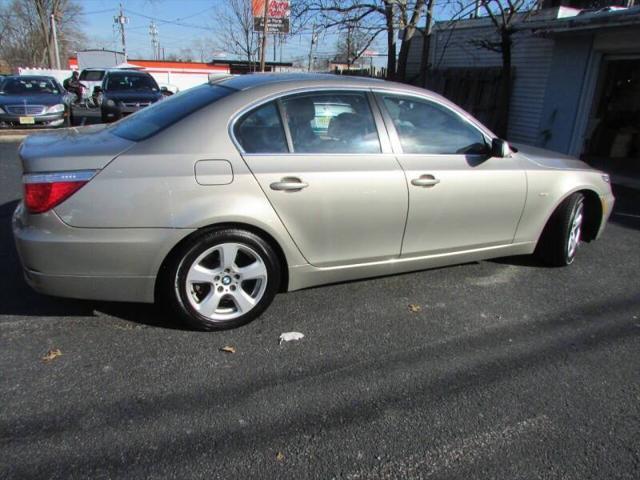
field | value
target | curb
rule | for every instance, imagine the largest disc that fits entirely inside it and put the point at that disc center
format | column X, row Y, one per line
column 15, row 135
column 12, row 138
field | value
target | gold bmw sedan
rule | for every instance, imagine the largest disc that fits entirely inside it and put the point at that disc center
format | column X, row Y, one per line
column 216, row 199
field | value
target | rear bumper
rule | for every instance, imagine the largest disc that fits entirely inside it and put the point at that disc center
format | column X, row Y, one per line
column 115, row 264
column 118, row 289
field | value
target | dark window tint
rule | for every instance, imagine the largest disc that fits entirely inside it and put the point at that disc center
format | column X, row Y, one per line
column 337, row 122
column 160, row 115
column 28, row 85
column 92, row 75
column 130, row 81
column 260, row 131
column 429, row 128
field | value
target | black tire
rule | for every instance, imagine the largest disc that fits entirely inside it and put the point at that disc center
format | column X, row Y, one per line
column 174, row 291
column 554, row 245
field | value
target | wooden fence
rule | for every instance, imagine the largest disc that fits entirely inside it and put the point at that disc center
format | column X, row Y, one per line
column 374, row 72
column 474, row 89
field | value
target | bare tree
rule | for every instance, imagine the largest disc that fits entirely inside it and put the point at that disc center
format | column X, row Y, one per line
column 375, row 17
column 202, row 48
column 505, row 16
column 234, row 27
column 426, row 42
column 27, row 38
column 351, row 44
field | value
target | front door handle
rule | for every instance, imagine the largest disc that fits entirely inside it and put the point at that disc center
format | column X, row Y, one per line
column 291, row 184
column 425, row 181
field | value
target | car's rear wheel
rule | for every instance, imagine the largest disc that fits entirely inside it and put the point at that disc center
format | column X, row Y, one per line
column 561, row 237
column 222, row 279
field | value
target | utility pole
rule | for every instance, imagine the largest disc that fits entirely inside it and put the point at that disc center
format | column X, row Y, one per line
column 121, row 20
column 313, row 42
column 263, row 49
column 153, row 33
column 348, row 46
column 55, row 39
column 275, row 50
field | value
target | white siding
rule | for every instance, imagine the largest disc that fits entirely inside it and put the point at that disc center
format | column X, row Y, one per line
column 531, row 58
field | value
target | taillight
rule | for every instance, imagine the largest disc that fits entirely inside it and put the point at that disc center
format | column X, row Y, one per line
column 43, row 191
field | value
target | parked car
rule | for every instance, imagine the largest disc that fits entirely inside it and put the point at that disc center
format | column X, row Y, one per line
column 125, row 92
column 33, row 101
column 92, row 78
column 214, row 200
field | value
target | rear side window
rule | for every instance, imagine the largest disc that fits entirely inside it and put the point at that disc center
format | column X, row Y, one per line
column 151, row 120
column 260, row 131
column 336, row 122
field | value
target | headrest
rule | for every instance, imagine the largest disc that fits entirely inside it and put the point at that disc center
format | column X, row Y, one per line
column 300, row 109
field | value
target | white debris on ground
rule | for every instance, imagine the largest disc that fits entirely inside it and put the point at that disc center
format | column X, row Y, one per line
column 290, row 336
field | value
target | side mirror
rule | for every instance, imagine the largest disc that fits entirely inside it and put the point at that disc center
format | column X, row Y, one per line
column 500, row 148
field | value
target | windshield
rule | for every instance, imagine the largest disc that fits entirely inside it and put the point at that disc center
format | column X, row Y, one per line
column 130, row 81
column 151, row 120
column 21, row 86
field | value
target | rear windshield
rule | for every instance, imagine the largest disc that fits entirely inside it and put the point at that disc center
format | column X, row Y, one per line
column 150, row 120
column 92, row 75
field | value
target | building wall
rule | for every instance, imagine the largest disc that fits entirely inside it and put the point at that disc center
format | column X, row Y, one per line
column 531, row 58
column 566, row 82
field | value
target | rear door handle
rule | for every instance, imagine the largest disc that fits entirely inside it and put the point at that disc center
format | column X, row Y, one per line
column 291, row 184
column 425, row 181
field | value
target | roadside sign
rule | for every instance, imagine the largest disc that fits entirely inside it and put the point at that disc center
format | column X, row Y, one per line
column 278, row 16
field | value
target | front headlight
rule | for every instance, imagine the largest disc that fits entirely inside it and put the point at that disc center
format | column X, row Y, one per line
column 56, row 108
column 2, row 111
column 111, row 103
column 606, row 177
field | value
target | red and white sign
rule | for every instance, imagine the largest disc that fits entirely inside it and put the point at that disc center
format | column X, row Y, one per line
column 278, row 16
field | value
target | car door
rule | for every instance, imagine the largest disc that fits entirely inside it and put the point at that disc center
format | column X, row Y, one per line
column 331, row 178
column 460, row 197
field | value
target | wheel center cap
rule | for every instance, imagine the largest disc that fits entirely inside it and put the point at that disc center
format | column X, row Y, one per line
column 226, row 280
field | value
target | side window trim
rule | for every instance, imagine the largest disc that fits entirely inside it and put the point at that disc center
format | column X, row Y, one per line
column 386, row 144
column 284, row 124
column 378, row 112
column 393, row 133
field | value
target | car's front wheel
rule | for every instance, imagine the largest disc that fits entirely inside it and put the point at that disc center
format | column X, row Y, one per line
column 222, row 279
column 561, row 237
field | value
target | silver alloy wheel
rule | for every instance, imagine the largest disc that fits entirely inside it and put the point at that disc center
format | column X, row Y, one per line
column 218, row 288
column 575, row 232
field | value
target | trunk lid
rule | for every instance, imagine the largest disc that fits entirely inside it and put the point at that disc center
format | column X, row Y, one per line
column 72, row 149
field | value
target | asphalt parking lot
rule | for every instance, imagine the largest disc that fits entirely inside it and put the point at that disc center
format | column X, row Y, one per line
column 507, row 370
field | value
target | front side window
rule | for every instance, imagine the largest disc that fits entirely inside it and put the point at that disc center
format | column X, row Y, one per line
column 260, row 131
column 332, row 122
column 428, row 128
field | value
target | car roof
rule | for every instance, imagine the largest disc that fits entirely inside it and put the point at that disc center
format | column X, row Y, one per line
column 126, row 70
column 30, row 77
column 255, row 80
